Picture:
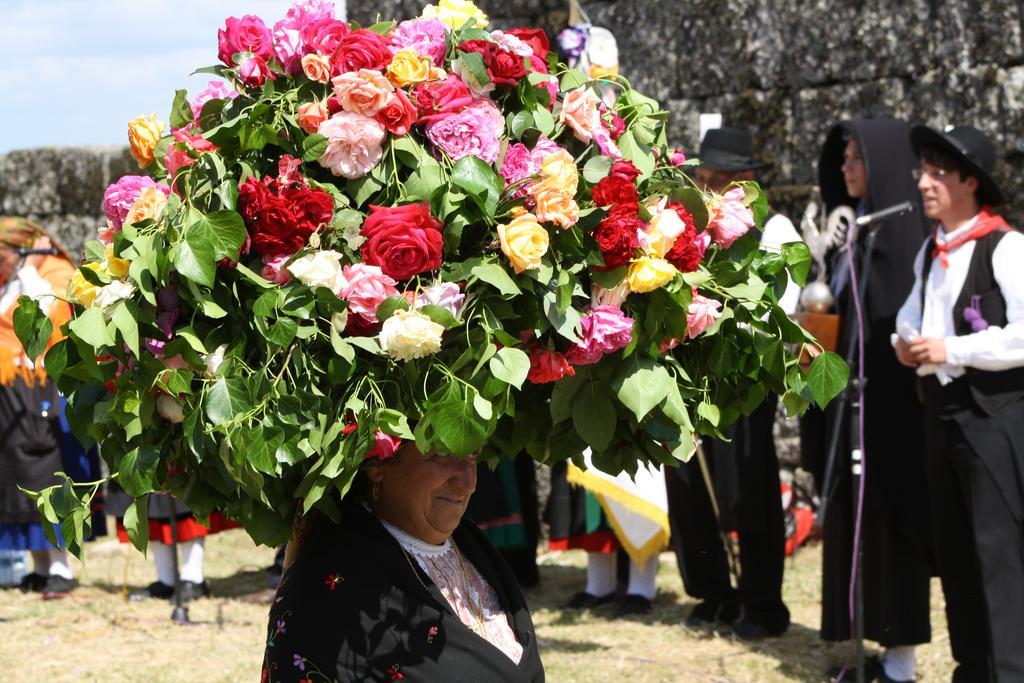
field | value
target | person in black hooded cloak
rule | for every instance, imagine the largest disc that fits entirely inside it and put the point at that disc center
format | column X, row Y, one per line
column 868, row 164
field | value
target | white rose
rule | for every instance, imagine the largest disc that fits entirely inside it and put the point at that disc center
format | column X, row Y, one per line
column 213, row 360
column 319, row 269
column 108, row 295
column 410, row 334
column 668, row 223
column 169, row 409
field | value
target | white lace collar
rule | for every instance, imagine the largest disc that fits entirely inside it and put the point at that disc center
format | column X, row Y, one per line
column 414, row 545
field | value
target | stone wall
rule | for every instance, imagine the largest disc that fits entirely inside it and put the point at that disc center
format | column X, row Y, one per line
column 787, row 69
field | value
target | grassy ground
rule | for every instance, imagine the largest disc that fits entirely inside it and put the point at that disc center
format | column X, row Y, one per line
column 96, row 635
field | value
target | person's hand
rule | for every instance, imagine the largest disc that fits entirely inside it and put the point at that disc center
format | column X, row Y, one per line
column 928, row 350
column 903, row 353
column 35, row 260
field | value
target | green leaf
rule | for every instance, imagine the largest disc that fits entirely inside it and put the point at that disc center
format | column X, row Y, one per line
column 313, row 147
column 593, row 415
column 798, row 261
column 563, row 396
column 387, row 308
column 497, row 277
column 543, row 119
column 226, row 399
column 225, row 230
column 476, row 177
column 136, row 473
column 641, row 384
column 474, row 62
column 261, row 448
column 282, row 332
column 125, row 323
column 572, row 79
column 136, row 522
column 455, row 420
column 181, row 111
column 510, row 366
column 424, row 181
column 519, row 124
column 693, row 200
column 254, row 277
column 440, row 315
column 596, row 168
column 827, row 376
column 194, row 258
column 565, row 321
column 709, row 412
column 639, row 154
column 92, row 329
column 32, row 326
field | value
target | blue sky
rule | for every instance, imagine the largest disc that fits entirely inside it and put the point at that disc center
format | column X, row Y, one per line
column 74, row 72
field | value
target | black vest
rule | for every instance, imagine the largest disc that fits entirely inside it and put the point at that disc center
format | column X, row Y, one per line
column 991, row 390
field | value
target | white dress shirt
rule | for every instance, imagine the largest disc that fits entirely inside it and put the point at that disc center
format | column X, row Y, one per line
column 777, row 231
column 995, row 348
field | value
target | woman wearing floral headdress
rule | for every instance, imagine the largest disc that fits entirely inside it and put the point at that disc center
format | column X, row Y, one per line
column 30, row 433
column 402, row 587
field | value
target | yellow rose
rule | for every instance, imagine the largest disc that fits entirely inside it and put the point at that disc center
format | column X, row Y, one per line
column 598, row 71
column 662, row 232
column 410, row 334
column 524, row 242
column 558, row 172
column 118, row 267
column 647, row 274
column 455, row 13
column 555, row 206
column 149, row 204
column 143, row 134
column 80, row 289
column 408, row 67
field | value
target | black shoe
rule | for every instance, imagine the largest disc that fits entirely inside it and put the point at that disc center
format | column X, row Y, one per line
column 193, row 591
column 585, row 600
column 746, row 629
column 872, row 670
column 32, row 583
column 157, row 589
column 632, row 605
column 58, row 587
column 703, row 614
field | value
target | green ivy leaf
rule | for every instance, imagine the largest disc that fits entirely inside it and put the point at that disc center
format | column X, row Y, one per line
column 32, row 326
column 313, row 147
column 497, row 277
column 125, row 323
column 594, row 416
column 641, row 384
column 827, row 376
column 226, row 399
column 282, row 332
column 596, row 168
column 476, row 177
column 136, row 522
column 455, row 420
column 181, row 110
column 798, row 261
column 92, row 329
column 194, row 258
column 520, row 123
column 136, row 472
column 440, row 315
column 510, row 366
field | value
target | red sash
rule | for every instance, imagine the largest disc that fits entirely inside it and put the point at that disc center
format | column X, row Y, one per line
column 986, row 223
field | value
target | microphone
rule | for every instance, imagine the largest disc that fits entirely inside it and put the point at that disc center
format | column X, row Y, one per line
column 50, row 251
column 890, row 212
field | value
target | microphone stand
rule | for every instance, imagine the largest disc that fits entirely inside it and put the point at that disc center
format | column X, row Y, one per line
column 854, row 397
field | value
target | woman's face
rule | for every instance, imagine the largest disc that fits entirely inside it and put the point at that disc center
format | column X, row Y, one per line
column 425, row 496
column 8, row 263
column 853, row 171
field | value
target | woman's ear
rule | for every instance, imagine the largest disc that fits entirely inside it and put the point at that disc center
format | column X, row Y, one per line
column 374, row 471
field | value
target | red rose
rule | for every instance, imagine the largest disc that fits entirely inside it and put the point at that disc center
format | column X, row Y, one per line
column 311, row 208
column 616, row 192
column 616, row 237
column 358, row 326
column 361, row 49
column 439, row 99
column 399, row 114
column 248, row 34
column 686, row 251
column 323, row 35
column 617, row 126
column 625, row 169
column 535, row 38
column 547, row 366
column 403, row 240
column 504, row 67
column 280, row 223
column 483, row 47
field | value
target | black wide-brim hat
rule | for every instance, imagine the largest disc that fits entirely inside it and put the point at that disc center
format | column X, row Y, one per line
column 972, row 150
column 729, row 149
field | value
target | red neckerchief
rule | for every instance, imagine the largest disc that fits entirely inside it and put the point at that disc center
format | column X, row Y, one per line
column 986, row 223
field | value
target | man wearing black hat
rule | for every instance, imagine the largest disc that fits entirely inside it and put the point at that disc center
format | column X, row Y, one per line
column 962, row 327
column 745, row 469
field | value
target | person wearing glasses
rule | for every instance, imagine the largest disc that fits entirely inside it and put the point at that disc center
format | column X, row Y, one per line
column 962, row 329
column 866, row 165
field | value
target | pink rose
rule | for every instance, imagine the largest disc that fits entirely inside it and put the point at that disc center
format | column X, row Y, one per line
column 473, row 131
column 274, row 270
column 385, row 446
column 702, row 314
column 518, row 163
column 444, row 294
column 365, row 288
column 254, row 71
column 353, row 144
column 288, row 44
column 425, row 36
column 215, row 90
column 323, row 35
column 605, row 329
column 728, row 218
column 580, row 111
column 316, row 66
column 248, row 34
column 362, row 92
column 604, row 141
column 311, row 115
column 120, row 196
column 677, row 157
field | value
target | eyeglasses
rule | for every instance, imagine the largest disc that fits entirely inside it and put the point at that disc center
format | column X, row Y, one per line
column 934, row 174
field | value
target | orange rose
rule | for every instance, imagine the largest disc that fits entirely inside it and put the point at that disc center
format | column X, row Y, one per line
column 558, row 171
column 143, row 134
column 311, row 115
column 580, row 112
column 317, row 67
column 555, row 206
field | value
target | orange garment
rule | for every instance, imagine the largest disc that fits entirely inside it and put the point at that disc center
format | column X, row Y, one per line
column 57, row 271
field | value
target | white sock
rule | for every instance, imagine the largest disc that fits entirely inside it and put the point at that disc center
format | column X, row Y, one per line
column 163, row 556
column 601, row 574
column 898, row 663
column 192, row 560
column 641, row 578
column 59, row 564
column 41, row 562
